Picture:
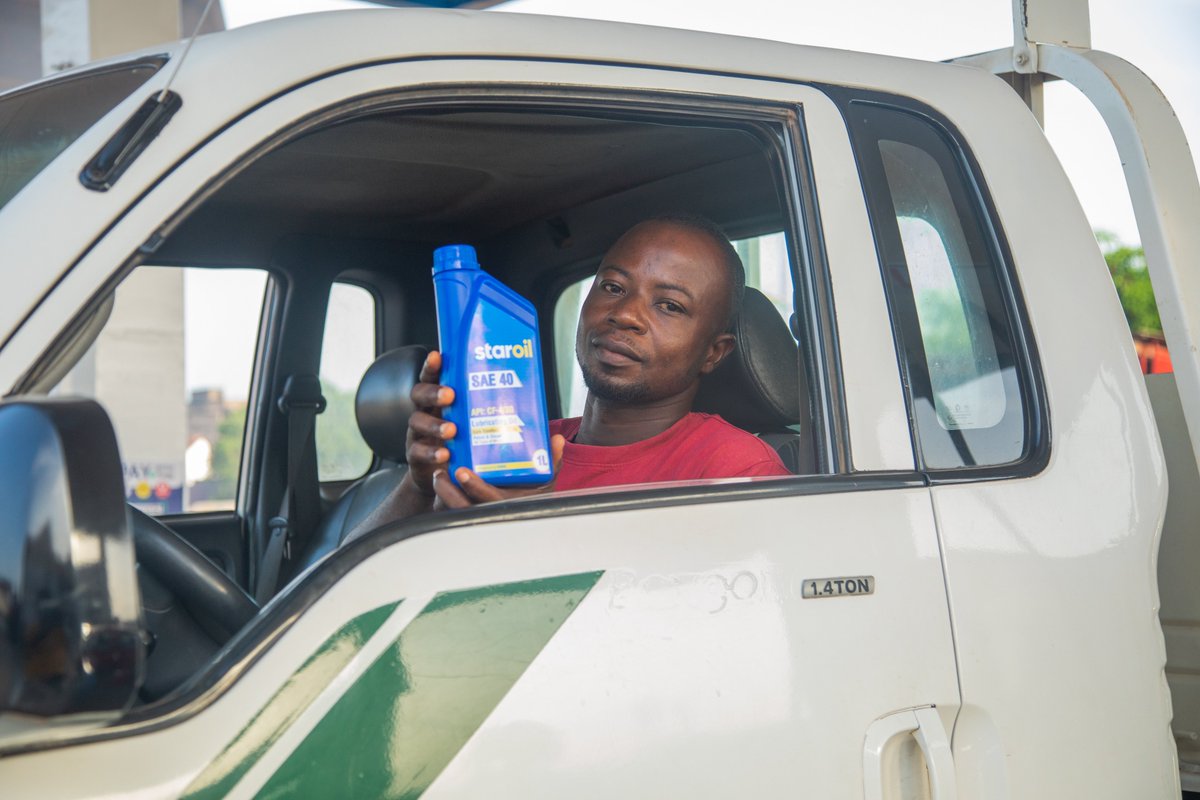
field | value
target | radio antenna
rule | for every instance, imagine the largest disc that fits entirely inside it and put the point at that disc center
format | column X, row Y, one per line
column 139, row 130
column 186, row 48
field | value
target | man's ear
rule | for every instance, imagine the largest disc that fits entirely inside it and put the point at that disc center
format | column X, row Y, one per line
column 722, row 345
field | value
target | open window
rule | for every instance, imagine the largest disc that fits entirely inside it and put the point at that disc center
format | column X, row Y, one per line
column 541, row 187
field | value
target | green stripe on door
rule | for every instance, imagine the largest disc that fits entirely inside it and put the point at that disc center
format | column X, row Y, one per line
column 401, row 723
column 286, row 704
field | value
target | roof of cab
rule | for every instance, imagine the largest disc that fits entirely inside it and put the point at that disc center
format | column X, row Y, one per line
column 250, row 63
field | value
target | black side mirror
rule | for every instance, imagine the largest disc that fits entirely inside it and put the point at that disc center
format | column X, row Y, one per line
column 70, row 617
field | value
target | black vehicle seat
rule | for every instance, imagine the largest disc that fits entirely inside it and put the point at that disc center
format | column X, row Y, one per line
column 382, row 407
column 760, row 387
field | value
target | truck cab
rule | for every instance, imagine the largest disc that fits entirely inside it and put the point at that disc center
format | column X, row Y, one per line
column 954, row 594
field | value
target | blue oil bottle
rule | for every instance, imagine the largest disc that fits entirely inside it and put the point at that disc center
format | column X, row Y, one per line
column 491, row 358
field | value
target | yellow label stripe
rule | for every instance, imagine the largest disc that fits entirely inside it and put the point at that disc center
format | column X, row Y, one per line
column 482, row 468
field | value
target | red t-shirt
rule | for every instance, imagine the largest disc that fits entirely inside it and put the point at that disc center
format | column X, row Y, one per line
column 697, row 446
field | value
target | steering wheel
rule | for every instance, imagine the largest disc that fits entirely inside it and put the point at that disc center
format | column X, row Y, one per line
column 191, row 607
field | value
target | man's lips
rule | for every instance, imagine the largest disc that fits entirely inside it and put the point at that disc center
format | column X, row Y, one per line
column 614, row 352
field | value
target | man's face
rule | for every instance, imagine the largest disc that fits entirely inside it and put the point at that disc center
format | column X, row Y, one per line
column 654, row 319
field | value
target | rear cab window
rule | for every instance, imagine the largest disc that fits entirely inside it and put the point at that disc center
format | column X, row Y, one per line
column 969, row 372
column 347, row 349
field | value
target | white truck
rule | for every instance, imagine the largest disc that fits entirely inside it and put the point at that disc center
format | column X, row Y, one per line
column 955, row 594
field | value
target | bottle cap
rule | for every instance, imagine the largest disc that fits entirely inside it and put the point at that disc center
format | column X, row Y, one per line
column 454, row 256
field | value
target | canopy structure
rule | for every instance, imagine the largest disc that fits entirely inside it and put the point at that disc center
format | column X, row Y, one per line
column 440, row 3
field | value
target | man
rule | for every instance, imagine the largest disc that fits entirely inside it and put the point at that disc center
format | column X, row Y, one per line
column 655, row 320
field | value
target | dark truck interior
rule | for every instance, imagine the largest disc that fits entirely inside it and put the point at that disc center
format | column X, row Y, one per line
column 541, row 187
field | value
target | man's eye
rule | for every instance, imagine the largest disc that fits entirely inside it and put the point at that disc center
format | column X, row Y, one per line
column 610, row 287
column 671, row 307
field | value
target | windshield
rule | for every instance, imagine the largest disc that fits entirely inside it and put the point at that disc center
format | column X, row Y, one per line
column 38, row 123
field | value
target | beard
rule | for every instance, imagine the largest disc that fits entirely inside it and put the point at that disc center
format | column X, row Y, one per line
column 613, row 391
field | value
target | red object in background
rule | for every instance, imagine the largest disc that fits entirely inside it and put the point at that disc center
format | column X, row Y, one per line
column 162, row 491
column 1152, row 354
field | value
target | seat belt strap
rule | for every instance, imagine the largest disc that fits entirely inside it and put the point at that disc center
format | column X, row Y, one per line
column 300, row 401
column 268, row 573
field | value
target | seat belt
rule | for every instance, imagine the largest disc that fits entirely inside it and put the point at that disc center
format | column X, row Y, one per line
column 300, row 402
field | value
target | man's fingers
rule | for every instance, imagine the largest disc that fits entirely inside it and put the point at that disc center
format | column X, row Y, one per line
column 476, row 487
column 427, row 432
column 428, row 393
column 431, row 395
column 423, row 453
column 429, row 426
column 450, row 495
column 431, row 370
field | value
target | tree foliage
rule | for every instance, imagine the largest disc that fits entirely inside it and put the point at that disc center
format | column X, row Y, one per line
column 227, row 454
column 1127, row 265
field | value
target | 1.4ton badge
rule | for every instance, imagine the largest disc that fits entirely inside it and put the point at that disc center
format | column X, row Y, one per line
column 838, row 587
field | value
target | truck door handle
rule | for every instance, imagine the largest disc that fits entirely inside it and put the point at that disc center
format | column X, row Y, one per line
column 925, row 726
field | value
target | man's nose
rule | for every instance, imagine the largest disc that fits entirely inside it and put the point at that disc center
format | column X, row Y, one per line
column 627, row 314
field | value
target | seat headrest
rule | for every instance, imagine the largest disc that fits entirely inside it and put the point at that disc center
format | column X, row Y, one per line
column 383, row 403
column 759, row 386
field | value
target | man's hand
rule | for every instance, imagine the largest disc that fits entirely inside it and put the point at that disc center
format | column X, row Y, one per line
column 428, row 456
column 427, row 431
column 473, row 489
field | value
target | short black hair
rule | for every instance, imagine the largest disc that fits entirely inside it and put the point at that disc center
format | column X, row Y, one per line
column 730, row 258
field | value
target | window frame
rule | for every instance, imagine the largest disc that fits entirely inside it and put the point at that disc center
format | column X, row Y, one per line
column 910, row 354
